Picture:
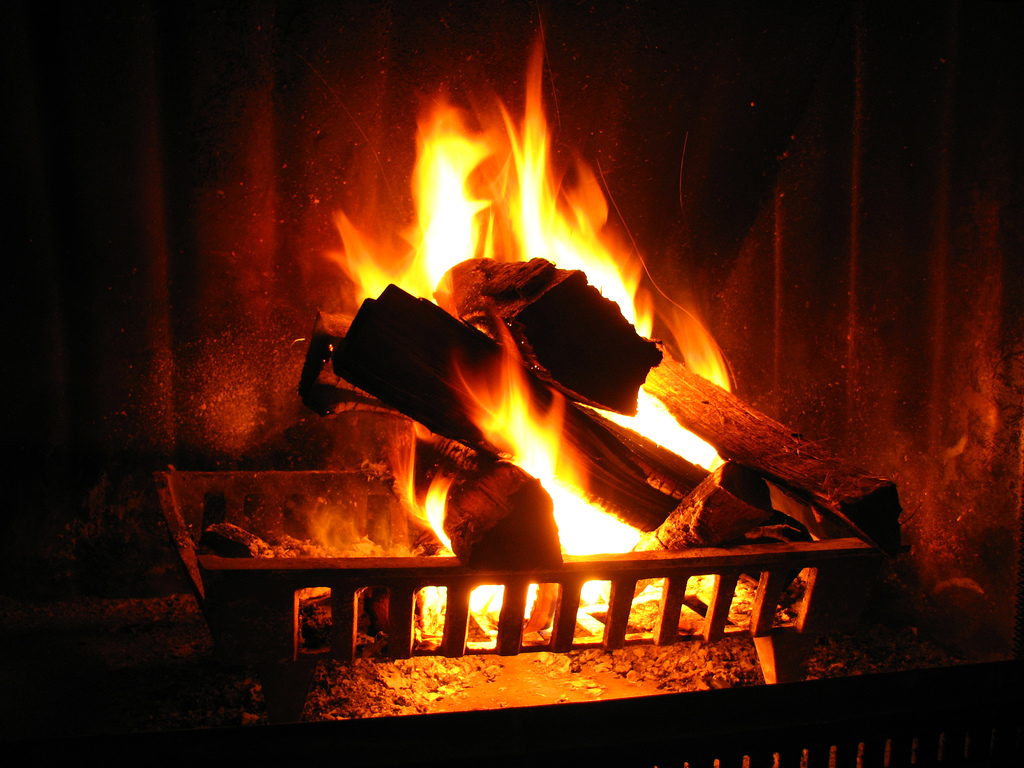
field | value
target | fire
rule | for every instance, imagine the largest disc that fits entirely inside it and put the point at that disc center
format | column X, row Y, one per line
column 510, row 419
column 494, row 193
column 567, row 230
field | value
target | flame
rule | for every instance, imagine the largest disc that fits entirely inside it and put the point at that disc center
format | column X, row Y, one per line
column 433, row 507
column 702, row 355
column 568, row 229
column 429, row 509
column 448, row 225
column 494, row 193
column 506, row 411
column 447, row 228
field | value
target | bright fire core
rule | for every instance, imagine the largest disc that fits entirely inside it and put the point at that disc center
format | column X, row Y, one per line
column 493, row 193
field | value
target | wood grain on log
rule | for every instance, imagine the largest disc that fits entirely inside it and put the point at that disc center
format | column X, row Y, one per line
column 572, row 336
column 730, row 501
column 868, row 505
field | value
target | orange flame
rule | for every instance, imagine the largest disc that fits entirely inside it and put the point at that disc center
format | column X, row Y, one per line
column 504, row 409
column 568, row 231
column 538, row 215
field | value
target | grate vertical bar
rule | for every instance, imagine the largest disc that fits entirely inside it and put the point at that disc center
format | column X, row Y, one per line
column 401, row 615
column 510, row 621
column 769, row 589
column 456, row 620
column 344, row 622
column 564, row 625
column 620, row 600
column 666, row 629
column 718, row 610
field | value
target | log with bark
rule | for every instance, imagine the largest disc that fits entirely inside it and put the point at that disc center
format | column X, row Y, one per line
column 568, row 333
column 500, row 517
column 418, row 359
column 866, row 504
column 731, row 501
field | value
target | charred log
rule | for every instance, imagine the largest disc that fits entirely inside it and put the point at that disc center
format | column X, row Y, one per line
column 320, row 388
column 868, row 505
column 667, row 471
column 228, row 540
column 501, row 517
column 731, row 501
column 418, row 359
column 571, row 335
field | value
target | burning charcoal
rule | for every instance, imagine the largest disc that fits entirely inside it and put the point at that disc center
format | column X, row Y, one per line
column 227, row 540
column 569, row 333
column 588, row 628
column 543, row 610
column 501, row 517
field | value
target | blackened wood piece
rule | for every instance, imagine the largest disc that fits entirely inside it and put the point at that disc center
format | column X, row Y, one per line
column 577, row 339
column 320, row 388
column 501, row 517
column 228, row 540
column 417, row 358
column 667, row 471
column 867, row 504
column 730, row 501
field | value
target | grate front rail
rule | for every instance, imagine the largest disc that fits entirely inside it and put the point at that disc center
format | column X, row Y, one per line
column 251, row 604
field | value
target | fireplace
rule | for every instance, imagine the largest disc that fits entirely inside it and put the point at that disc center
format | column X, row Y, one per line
column 832, row 191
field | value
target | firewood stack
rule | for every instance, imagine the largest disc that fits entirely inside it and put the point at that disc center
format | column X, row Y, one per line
column 417, row 358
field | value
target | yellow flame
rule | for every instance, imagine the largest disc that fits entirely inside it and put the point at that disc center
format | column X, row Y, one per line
column 568, row 229
column 528, row 212
column 506, row 411
column 448, row 226
column 433, row 507
column 430, row 509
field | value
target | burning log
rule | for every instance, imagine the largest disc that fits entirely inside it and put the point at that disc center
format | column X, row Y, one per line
column 571, row 335
column 867, row 504
column 667, row 471
column 417, row 358
column 731, row 501
column 501, row 517
column 320, row 388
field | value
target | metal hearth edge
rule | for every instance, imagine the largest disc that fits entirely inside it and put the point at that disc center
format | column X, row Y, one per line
column 968, row 715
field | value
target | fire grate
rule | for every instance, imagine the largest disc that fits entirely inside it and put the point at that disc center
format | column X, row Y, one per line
column 251, row 606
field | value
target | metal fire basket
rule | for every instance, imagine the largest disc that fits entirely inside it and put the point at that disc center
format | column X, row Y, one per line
column 251, row 604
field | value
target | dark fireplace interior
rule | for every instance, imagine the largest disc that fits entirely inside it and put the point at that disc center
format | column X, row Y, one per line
column 833, row 189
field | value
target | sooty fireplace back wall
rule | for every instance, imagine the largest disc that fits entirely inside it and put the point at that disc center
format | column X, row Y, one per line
column 835, row 191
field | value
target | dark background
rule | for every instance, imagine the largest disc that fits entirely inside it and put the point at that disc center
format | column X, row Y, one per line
column 834, row 189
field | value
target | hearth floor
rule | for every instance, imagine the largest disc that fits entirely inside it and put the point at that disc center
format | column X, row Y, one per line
column 101, row 666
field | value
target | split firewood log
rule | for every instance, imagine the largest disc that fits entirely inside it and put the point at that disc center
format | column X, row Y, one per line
column 320, row 388
column 723, row 508
column 867, row 505
column 568, row 333
column 501, row 517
